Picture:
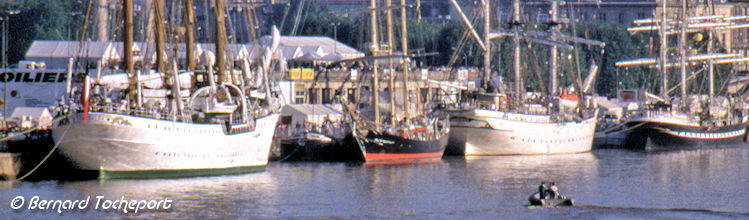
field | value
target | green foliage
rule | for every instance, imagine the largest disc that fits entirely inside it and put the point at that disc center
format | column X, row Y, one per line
column 620, row 46
column 37, row 20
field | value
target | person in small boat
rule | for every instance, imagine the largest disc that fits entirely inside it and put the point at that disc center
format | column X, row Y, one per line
column 542, row 190
column 553, row 191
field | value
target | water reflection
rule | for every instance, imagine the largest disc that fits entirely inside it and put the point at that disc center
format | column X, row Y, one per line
column 192, row 197
column 604, row 183
column 508, row 180
column 694, row 179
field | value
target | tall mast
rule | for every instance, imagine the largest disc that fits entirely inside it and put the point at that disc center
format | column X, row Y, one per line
column 487, row 43
column 101, row 20
column 516, row 61
column 554, row 60
column 189, row 22
column 375, row 48
column 710, row 51
column 160, row 35
column 406, row 59
column 683, row 52
column 218, row 10
column 128, row 50
column 662, row 53
column 391, row 82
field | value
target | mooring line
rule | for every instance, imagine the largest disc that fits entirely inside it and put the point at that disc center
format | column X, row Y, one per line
column 48, row 154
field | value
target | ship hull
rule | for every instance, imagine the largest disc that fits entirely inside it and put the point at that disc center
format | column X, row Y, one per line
column 657, row 135
column 334, row 150
column 125, row 146
column 382, row 148
column 488, row 133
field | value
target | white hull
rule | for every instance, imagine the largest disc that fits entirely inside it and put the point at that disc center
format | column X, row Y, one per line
column 487, row 132
column 110, row 142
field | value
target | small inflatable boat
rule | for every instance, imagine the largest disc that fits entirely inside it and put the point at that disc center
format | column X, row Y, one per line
column 536, row 200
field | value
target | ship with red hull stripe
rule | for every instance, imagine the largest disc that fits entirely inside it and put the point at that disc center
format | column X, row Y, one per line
column 399, row 129
column 384, row 148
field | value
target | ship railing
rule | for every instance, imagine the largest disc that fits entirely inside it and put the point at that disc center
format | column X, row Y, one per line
column 121, row 109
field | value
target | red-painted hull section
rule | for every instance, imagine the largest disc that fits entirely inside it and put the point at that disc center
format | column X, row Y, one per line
column 395, row 158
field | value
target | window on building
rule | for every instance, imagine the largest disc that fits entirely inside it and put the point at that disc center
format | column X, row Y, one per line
column 623, row 18
column 312, row 96
column 326, row 99
column 299, row 96
column 602, row 17
column 423, row 92
column 352, row 95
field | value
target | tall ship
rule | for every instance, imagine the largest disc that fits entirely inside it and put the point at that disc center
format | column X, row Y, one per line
column 688, row 121
column 525, row 123
column 125, row 128
column 408, row 134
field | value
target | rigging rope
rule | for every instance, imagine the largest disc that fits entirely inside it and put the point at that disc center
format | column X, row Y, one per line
column 608, row 131
column 297, row 18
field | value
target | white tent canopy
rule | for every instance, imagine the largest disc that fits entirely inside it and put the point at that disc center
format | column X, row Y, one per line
column 313, row 113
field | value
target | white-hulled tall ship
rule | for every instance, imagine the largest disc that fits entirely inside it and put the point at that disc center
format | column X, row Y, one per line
column 509, row 123
column 691, row 121
column 142, row 132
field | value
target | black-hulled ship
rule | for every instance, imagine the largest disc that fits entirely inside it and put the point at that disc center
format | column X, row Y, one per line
column 659, row 128
column 689, row 121
column 422, row 143
column 410, row 134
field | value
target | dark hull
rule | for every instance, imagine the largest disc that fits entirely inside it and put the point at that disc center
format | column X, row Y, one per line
column 654, row 136
column 344, row 150
column 550, row 202
column 391, row 149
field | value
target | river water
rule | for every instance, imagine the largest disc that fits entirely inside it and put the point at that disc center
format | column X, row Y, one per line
column 606, row 183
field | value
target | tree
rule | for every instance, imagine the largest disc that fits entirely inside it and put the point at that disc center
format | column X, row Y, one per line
column 38, row 20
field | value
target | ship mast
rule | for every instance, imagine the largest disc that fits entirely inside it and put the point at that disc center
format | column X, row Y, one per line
column 683, row 53
column 516, row 47
column 375, row 48
column 218, row 11
column 160, row 35
column 128, row 51
column 101, row 20
column 406, row 59
column 189, row 22
column 553, row 87
column 662, row 53
column 710, row 23
column 391, row 82
column 710, row 51
column 487, row 43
